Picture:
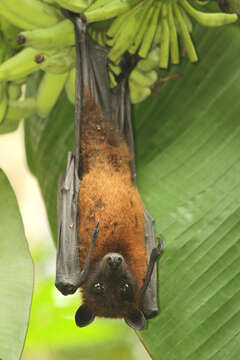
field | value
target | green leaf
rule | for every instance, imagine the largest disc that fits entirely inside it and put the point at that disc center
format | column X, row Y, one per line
column 8, row 126
column 16, row 275
column 187, row 151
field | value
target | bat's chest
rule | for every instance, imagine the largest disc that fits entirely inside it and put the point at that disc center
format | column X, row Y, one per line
column 111, row 198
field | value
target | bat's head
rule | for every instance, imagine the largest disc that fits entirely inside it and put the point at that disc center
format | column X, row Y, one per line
column 111, row 290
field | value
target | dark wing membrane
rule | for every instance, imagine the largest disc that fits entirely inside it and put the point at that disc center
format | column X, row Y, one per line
column 68, row 265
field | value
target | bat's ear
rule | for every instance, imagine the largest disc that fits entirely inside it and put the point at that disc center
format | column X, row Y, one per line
column 83, row 316
column 136, row 319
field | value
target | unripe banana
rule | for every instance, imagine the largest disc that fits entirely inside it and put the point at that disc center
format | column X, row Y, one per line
column 158, row 34
column 55, row 37
column 151, row 62
column 112, row 9
column 48, row 92
column 70, row 85
column 74, row 5
column 115, row 69
column 138, row 93
column 165, row 40
column 112, row 80
column 59, row 62
column 14, row 91
column 127, row 34
column 173, row 37
column 19, row 66
column 3, row 100
column 116, row 25
column 209, row 19
column 98, row 4
column 21, row 109
column 140, row 34
column 34, row 12
column 14, row 19
column 144, row 79
column 9, row 32
column 185, row 35
column 187, row 19
column 150, row 32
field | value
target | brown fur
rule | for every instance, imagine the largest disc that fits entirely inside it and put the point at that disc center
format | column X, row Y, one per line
column 108, row 194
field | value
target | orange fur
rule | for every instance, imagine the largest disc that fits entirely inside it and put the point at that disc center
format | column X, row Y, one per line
column 107, row 193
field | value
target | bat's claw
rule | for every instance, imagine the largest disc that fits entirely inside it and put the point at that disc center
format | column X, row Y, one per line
column 159, row 249
column 66, row 288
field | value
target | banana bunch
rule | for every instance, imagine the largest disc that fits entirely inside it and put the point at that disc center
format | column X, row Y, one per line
column 145, row 28
column 157, row 22
column 148, row 29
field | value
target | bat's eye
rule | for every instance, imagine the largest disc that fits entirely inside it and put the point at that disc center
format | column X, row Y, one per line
column 98, row 288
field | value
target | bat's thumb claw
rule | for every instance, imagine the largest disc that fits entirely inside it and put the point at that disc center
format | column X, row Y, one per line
column 65, row 288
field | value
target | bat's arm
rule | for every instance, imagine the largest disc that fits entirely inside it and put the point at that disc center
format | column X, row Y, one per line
column 156, row 252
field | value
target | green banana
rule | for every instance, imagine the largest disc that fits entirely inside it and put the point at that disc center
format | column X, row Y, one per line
column 115, row 69
column 14, row 91
column 209, row 19
column 14, row 19
column 3, row 100
column 165, row 40
column 158, row 34
column 174, row 50
column 48, row 92
column 9, row 33
column 144, row 79
column 150, row 32
column 59, row 62
column 112, row 80
column 126, row 34
column 19, row 66
column 110, row 10
column 55, row 37
column 151, row 61
column 70, row 85
column 138, row 93
column 185, row 35
column 187, row 19
column 52, row 2
column 98, row 4
column 21, row 109
column 34, row 12
column 74, row 5
column 116, row 25
column 146, row 20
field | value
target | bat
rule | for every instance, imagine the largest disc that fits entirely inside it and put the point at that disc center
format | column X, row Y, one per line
column 106, row 242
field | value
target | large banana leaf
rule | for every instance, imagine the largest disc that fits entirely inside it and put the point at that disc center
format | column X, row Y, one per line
column 16, row 276
column 188, row 166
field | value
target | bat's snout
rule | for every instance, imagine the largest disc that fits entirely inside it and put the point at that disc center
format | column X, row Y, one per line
column 114, row 260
